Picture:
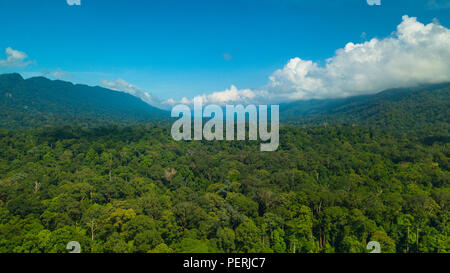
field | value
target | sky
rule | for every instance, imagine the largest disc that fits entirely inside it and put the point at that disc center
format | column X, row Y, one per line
column 229, row 51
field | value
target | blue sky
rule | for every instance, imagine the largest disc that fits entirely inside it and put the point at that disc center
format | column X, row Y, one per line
column 175, row 49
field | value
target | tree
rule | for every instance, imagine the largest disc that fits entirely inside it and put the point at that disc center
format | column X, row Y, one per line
column 248, row 237
column 94, row 217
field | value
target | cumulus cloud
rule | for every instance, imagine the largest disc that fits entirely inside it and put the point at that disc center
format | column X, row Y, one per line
column 231, row 95
column 14, row 58
column 74, row 2
column 123, row 86
column 414, row 54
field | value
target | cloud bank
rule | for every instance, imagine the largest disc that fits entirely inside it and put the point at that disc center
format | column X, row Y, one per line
column 14, row 58
column 414, row 54
column 123, row 86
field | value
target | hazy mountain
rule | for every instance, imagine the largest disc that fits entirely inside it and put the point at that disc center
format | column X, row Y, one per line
column 40, row 101
column 401, row 108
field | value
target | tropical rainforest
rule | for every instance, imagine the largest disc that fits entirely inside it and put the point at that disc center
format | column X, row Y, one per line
column 346, row 173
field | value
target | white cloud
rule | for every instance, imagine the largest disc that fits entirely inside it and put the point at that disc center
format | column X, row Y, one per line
column 59, row 74
column 74, row 2
column 222, row 97
column 14, row 58
column 414, row 54
column 123, row 86
column 417, row 53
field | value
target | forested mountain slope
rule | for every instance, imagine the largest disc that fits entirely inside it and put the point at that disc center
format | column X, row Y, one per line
column 404, row 108
column 39, row 101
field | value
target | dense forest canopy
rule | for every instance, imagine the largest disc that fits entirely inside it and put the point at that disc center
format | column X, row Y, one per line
column 348, row 171
column 134, row 189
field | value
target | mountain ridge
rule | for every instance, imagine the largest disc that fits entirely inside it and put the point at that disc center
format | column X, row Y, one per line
column 398, row 108
column 40, row 101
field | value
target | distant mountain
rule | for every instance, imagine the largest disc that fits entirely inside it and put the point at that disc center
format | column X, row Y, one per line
column 402, row 108
column 39, row 101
